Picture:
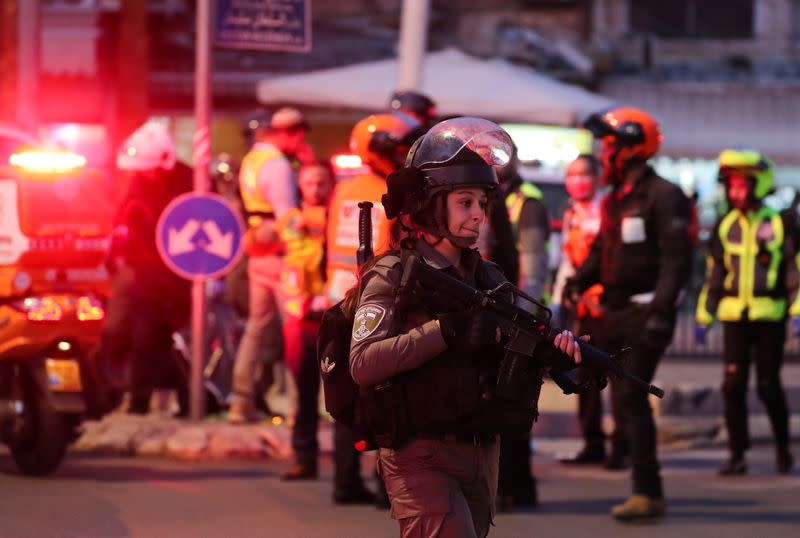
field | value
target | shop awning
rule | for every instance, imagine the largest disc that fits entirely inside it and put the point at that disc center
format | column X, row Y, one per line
column 699, row 119
column 460, row 85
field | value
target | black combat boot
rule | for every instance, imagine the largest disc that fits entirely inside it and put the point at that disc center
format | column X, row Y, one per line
column 735, row 466
column 784, row 461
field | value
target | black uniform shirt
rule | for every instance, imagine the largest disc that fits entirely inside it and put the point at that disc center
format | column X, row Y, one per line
column 643, row 245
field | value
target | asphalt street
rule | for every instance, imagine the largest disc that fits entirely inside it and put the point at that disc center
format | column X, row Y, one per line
column 92, row 495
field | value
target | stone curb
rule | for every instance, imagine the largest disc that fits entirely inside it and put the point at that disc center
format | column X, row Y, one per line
column 156, row 435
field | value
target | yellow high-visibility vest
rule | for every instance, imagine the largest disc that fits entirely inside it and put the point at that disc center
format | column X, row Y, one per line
column 255, row 204
column 752, row 245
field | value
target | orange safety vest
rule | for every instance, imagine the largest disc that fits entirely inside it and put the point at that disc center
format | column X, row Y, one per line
column 303, row 233
column 581, row 225
column 342, row 230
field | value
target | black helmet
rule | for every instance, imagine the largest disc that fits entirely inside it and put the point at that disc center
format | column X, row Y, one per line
column 421, row 106
column 459, row 152
column 255, row 121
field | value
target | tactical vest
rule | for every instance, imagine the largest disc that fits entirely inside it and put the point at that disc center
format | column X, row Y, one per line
column 453, row 393
column 754, row 260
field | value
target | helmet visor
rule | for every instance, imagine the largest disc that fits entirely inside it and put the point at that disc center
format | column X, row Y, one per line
column 445, row 139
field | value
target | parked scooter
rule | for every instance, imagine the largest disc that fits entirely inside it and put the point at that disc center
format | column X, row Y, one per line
column 52, row 281
column 45, row 340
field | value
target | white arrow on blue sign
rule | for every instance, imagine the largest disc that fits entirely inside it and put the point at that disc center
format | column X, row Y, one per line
column 200, row 235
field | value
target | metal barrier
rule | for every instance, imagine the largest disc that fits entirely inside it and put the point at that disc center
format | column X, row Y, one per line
column 683, row 344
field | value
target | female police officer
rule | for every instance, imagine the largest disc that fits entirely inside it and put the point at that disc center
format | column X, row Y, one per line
column 429, row 369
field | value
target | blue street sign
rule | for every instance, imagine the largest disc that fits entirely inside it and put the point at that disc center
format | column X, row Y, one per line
column 263, row 24
column 199, row 235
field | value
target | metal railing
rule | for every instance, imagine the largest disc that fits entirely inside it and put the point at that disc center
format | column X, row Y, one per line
column 683, row 344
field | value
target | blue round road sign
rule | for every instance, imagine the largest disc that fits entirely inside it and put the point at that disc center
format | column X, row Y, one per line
column 199, row 235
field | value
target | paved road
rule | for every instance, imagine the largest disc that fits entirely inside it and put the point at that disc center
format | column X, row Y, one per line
column 96, row 496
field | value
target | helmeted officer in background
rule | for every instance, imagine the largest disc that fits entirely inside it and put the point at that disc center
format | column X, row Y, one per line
column 530, row 231
column 581, row 224
column 415, row 104
column 268, row 189
column 439, row 462
column 148, row 301
column 382, row 142
column 642, row 258
column 254, row 122
column 752, row 283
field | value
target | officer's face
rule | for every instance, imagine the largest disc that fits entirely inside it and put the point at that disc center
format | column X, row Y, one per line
column 739, row 187
column 315, row 185
column 466, row 211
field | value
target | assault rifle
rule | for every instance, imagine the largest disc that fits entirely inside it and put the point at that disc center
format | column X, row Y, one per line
column 522, row 330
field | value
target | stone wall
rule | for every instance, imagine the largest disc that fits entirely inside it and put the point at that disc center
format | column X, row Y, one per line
column 776, row 37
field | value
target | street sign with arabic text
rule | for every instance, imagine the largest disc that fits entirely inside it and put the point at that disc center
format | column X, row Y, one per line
column 263, row 24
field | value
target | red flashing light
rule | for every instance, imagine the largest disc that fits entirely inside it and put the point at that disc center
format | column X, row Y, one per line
column 360, row 445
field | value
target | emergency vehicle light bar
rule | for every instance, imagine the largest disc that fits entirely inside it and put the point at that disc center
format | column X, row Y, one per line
column 42, row 161
column 347, row 161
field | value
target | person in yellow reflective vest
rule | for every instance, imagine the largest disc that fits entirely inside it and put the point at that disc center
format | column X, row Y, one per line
column 751, row 285
column 268, row 189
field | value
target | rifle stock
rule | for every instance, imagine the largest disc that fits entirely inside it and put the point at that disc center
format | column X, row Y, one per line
column 523, row 329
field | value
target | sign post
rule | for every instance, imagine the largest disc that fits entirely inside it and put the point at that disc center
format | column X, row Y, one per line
column 199, row 236
column 201, row 157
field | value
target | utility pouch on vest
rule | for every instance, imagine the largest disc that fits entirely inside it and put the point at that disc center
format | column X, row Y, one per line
column 512, row 376
column 383, row 409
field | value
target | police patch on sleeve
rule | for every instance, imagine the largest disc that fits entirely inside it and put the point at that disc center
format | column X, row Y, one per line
column 368, row 319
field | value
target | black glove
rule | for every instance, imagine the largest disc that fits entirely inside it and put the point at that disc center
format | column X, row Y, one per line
column 600, row 382
column 658, row 331
column 469, row 329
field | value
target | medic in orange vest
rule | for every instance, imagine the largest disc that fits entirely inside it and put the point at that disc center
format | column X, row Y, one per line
column 581, row 224
column 382, row 142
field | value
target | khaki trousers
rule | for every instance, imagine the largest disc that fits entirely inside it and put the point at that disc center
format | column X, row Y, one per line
column 441, row 488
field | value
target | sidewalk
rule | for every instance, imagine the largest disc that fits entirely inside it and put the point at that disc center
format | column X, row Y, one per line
column 689, row 415
column 691, row 410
